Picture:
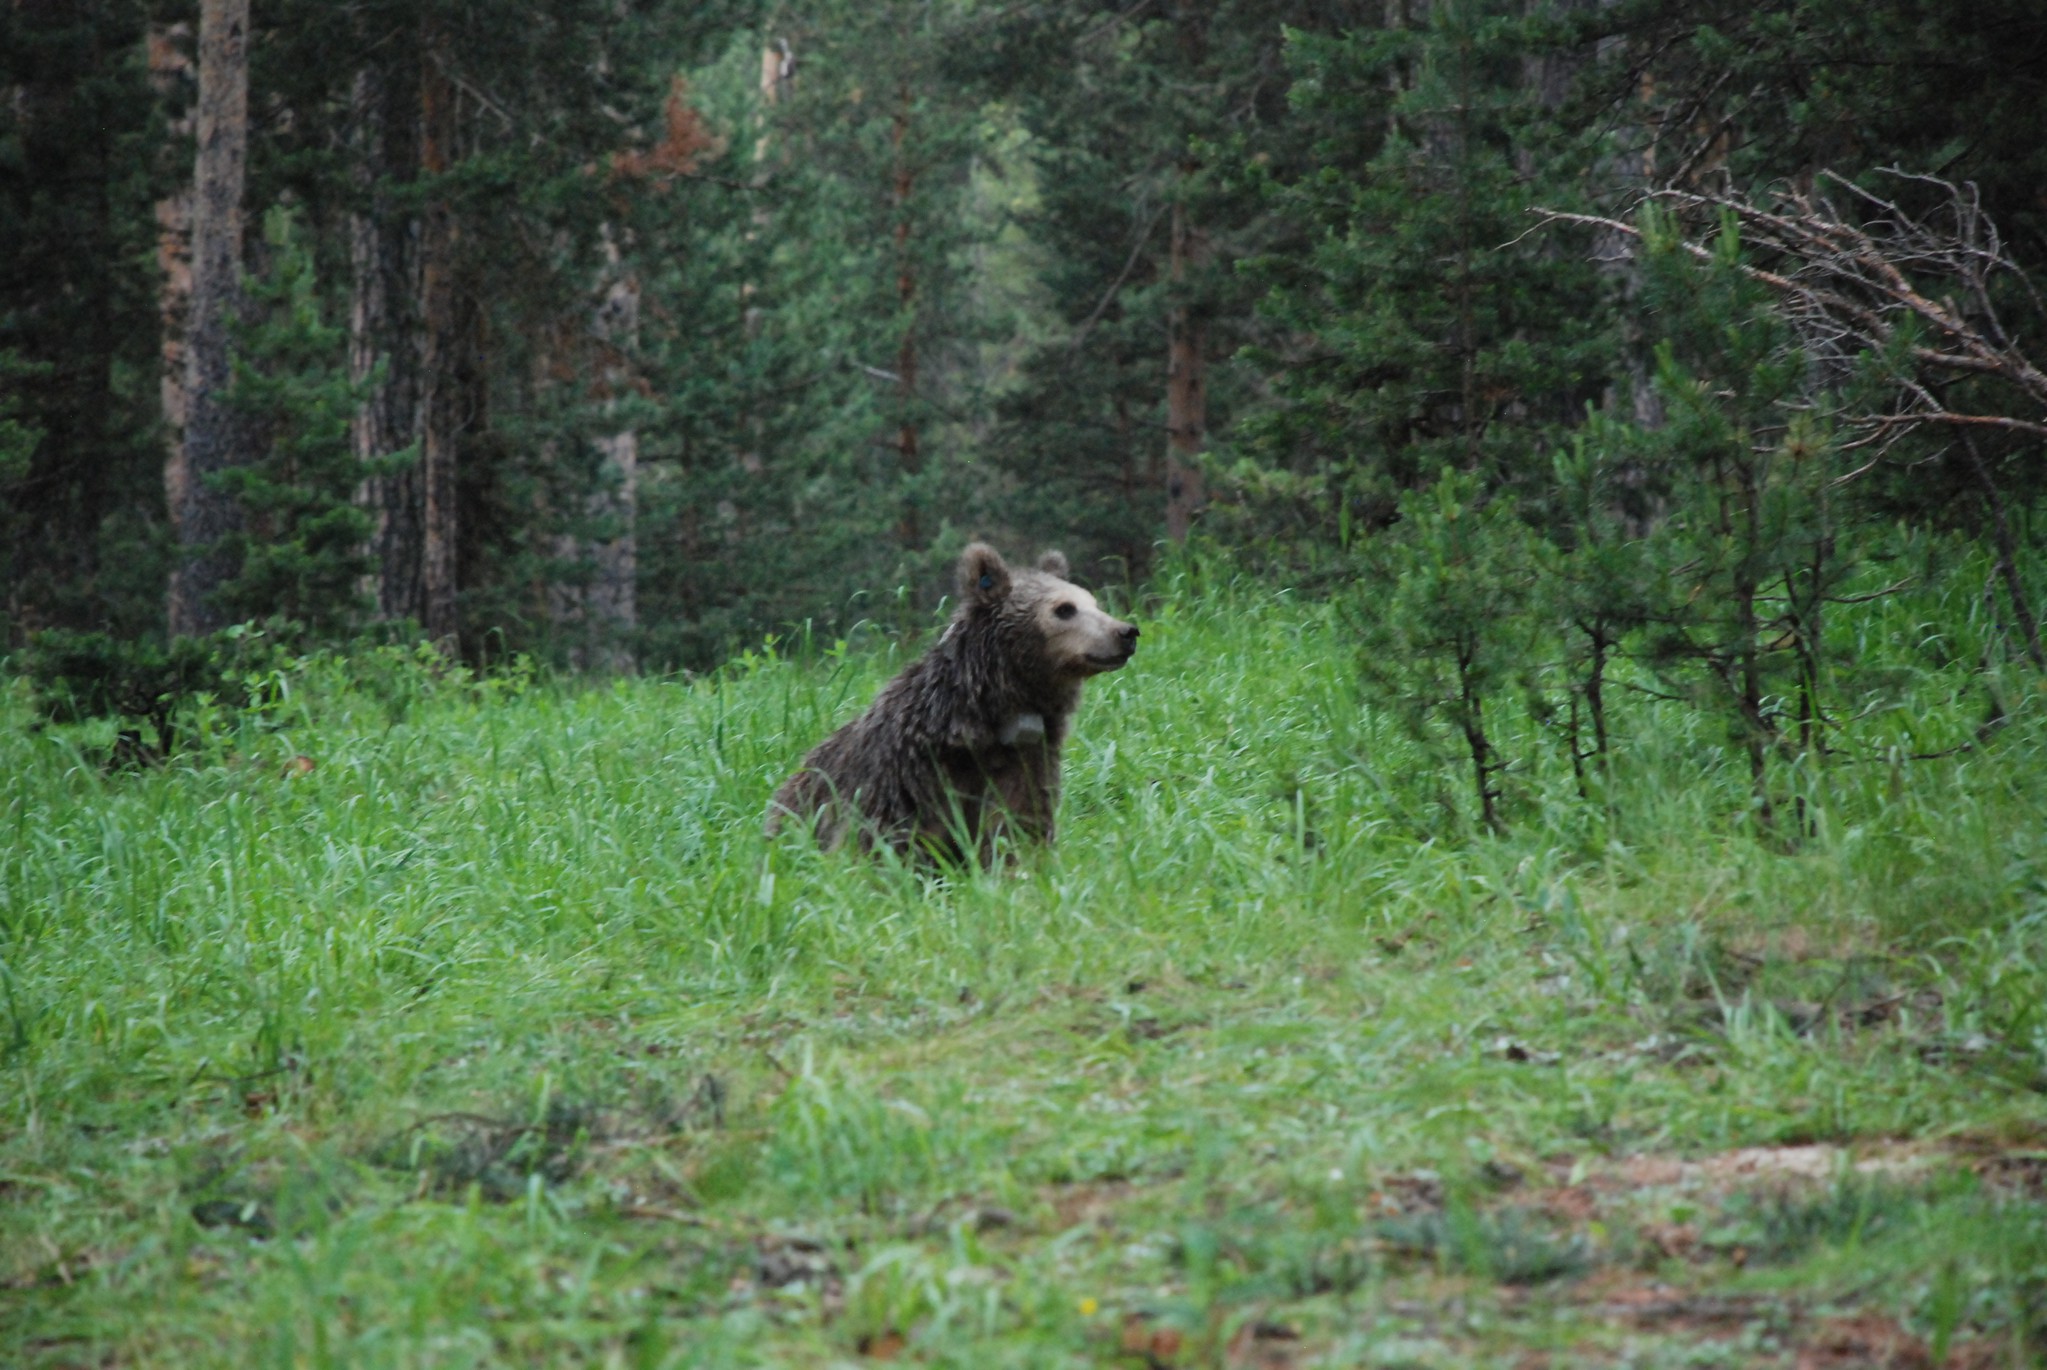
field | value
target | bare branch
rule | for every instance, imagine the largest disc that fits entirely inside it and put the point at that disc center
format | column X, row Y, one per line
column 1855, row 286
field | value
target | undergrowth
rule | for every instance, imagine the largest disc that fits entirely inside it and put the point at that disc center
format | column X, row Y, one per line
column 420, row 1019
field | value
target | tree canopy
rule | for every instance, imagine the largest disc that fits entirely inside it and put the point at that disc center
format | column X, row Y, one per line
column 632, row 333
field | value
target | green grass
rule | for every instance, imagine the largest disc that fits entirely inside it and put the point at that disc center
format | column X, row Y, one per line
column 501, row 1037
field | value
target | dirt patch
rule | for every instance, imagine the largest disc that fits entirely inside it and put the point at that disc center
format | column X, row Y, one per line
column 1419, row 1191
column 1261, row 1344
column 1872, row 1341
column 1865, row 1340
column 2011, row 1163
column 785, row 1260
column 2022, row 1176
column 1667, row 1309
column 1749, row 1167
column 1574, row 1203
column 1580, row 1191
column 1075, row 1204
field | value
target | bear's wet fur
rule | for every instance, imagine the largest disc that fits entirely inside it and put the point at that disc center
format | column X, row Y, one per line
column 964, row 744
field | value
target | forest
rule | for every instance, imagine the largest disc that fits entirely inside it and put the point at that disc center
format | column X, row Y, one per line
column 1560, row 883
column 626, row 334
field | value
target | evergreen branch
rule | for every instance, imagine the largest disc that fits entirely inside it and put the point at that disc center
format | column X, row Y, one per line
column 1094, row 316
column 1115, row 22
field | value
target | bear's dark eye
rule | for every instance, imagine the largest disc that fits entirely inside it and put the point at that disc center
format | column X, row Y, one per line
column 987, row 582
column 1065, row 611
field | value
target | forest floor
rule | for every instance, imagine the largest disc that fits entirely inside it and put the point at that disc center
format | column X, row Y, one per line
column 426, row 1022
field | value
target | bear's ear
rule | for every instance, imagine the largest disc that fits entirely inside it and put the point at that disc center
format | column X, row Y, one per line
column 983, row 579
column 1054, row 564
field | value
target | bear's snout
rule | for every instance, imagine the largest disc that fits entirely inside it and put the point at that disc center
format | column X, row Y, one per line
column 1124, row 638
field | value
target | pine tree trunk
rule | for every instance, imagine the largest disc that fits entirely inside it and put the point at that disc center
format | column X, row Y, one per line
column 605, row 609
column 1186, row 323
column 613, row 588
column 1186, row 385
column 614, row 594
column 201, row 515
column 1746, row 666
column 910, row 531
column 441, row 399
column 170, row 69
column 778, row 68
column 382, row 287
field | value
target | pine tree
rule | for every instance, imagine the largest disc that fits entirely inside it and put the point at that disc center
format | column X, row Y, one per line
column 815, row 342
column 1598, row 582
column 1424, row 328
column 460, row 172
column 1152, row 130
column 1752, row 543
column 81, row 522
column 18, row 437
column 301, row 554
column 1446, row 633
column 203, row 511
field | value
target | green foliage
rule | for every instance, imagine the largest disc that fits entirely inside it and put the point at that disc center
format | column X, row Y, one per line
column 1798, row 84
column 831, row 241
column 1136, row 121
column 18, row 438
column 1723, row 557
column 496, row 1022
column 1600, row 585
column 424, row 1016
column 1404, row 338
column 82, row 676
column 301, row 554
column 1753, row 540
column 1444, row 621
column 923, row 290
column 923, row 286
column 80, row 542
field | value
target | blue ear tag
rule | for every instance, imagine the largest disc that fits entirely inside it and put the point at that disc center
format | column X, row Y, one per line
column 987, row 582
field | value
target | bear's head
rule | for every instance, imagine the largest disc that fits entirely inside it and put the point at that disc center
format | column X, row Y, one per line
column 1079, row 640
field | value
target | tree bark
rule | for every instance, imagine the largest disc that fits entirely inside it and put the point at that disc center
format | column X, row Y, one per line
column 201, row 515
column 909, row 531
column 605, row 608
column 441, row 399
column 382, row 287
column 778, row 69
column 1745, row 667
column 170, row 68
column 1186, row 384
column 614, row 600
column 1186, row 322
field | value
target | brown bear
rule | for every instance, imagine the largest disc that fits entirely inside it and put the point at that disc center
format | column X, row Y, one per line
column 964, row 743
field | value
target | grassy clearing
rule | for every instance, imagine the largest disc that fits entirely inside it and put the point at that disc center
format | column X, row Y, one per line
column 499, row 1036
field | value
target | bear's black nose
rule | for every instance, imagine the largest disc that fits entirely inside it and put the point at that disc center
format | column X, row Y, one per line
column 1130, row 633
